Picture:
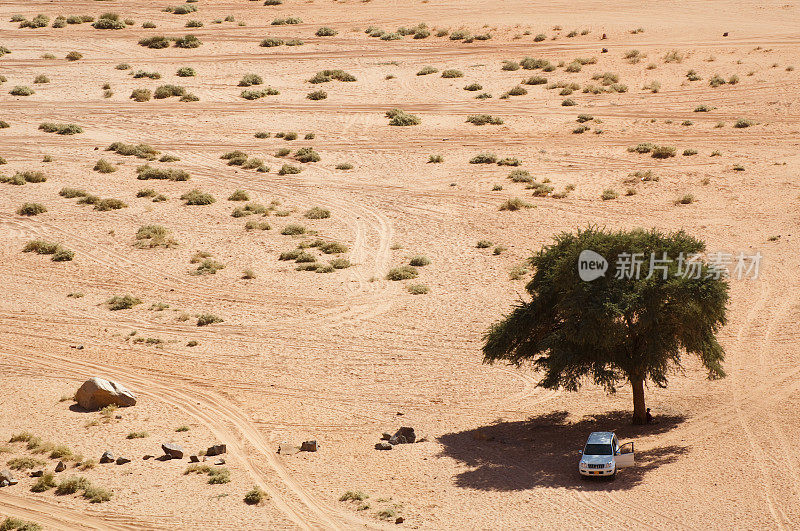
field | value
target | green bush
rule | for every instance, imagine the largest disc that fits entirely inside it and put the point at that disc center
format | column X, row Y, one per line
column 452, row 73
column 307, row 154
column 417, row 289
column 196, row 197
column 287, row 20
column 317, row 95
column 186, row 71
column 255, row 496
column 426, row 70
column 123, row 302
column 609, row 194
column 513, row 204
column 156, row 42
column 399, row 117
column 742, row 123
column 21, row 91
column 141, row 95
column 402, row 273
column 317, row 213
column 288, row 169
column 31, row 209
column 250, row 79
column 147, row 172
column 167, row 91
column 61, row 129
column 483, row 158
column 326, row 32
column 483, row 119
column 208, row 267
column 103, row 166
column 293, row 230
column 663, row 152
column 271, row 42
column 419, row 261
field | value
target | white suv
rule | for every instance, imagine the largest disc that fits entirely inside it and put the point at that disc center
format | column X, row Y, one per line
column 602, row 455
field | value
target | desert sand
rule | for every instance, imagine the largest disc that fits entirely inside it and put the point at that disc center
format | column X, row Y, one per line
column 343, row 356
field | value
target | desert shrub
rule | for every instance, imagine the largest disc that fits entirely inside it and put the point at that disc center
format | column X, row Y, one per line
column 326, row 75
column 399, row 117
column 317, row 95
column 255, row 496
column 419, row 261
column 435, row 159
column 653, row 86
column 282, row 152
column 181, row 9
column 239, row 195
column 122, row 302
column 39, row 21
column 685, row 200
column 61, row 129
column 4, row 125
column 307, row 154
column 24, row 463
column 426, row 70
column 147, row 172
column 573, row 67
column 568, row 103
column 689, row 152
column 21, row 91
column 531, row 63
column 483, row 119
column 293, row 230
column 271, row 42
column 317, row 213
column 196, row 197
column 535, row 80
column 510, row 66
column 288, row 169
column 513, row 204
column 156, row 42
column 207, row 319
column 344, row 166
column 141, row 95
column 45, row 482
column 702, row 108
column 70, row 193
column 41, row 78
column 742, row 123
column 402, row 273
column 30, row 176
column 452, row 73
column 103, row 166
column 257, row 94
column 151, row 236
column 31, row 209
column 608, row 195
column 148, row 25
column 96, row 494
column 716, row 80
column 193, row 24
column 483, row 244
column 250, row 79
column 187, row 41
column 520, row 176
column 109, row 204
column 142, row 151
column 166, row 91
column 509, row 161
column 326, row 32
column 108, row 23
column 333, row 248
column 123, row 66
column 483, row 158
column 473, row 87
column 294, row 42
column 287, row 20
column 71, row 485
column 417, row 289
column 208, row 267
column 257, row 225
column 663, row 152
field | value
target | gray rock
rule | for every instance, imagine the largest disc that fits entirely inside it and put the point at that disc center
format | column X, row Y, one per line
column 7, row 477
column 194, row 459
column 385, row 436
column 174, row 451
column 383, row 445
column 96, row 393
column 107, row 457
column 285, row 448
column 219, row 462
column 122, row 460
column 3, row 483
column 397, row 439
column 217, row 449
column 308, row 446
column 60, row 467
column 407, row 433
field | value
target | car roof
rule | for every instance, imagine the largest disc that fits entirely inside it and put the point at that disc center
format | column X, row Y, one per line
column 600, row 437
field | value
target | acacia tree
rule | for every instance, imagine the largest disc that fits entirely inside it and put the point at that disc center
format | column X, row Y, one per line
column 614, row 328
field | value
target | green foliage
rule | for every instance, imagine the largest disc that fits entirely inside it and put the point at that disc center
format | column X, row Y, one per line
column 483, row 119
column 31, row 209
column 61, row 129
column 147, row 172
column 402, row 273
column 612, row 330
column 21, row 91
column 122, row 302
column 513, row 204
column 426, row 70
column 255, row 496
column 326, row 32
column 207, row 319
column 452, row 73
column 399, row 117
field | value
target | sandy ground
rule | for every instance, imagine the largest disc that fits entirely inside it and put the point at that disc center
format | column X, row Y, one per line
column 344, row 356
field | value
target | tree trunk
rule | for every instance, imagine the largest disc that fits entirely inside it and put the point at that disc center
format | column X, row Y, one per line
column 639, row 409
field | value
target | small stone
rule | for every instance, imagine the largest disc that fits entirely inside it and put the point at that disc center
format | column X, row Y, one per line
column 407, row 433
column 217, row 449
column 148, row 456
column 194, row 459
column 308, row 446
column 37, row 473
column 60, row 467
column 3, row 483
column 385, row 436
column 397, row 439
column 122, row 460
column 107, row 457
column 286, row 448
column 219, row 462
column 174, row 451
column 383, row 445
column 399, row 520
column 7, row 477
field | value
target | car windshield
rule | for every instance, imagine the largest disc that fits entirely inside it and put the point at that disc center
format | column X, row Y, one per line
column 597, row 449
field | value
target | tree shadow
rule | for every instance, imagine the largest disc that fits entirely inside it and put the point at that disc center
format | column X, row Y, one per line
column 543, row 451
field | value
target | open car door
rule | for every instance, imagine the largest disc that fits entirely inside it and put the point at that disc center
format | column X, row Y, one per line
column 625, row 456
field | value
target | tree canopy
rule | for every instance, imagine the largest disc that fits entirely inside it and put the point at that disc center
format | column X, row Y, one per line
column 618, row 327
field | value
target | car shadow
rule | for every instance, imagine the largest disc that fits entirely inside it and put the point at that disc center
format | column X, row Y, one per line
column 543, row 452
